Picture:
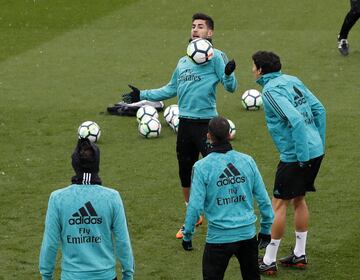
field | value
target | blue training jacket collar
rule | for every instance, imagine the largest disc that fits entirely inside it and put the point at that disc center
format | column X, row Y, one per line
column 222, row 147
column 85, row 178
column 264, row 79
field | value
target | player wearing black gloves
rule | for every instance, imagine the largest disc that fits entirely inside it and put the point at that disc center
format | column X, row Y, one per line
column 230, row 67
column 195, row 87
column 263, row 240
column 228, row 204
column 187, row 245
column 133, row 96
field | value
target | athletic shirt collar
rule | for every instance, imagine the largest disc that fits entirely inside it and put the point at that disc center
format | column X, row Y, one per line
column 222, row 147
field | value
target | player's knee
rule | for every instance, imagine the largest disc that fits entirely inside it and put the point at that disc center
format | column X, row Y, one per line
column 299, row 201
column 280, row 205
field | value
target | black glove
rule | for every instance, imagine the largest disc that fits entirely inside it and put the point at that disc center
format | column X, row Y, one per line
column 230, row 67
column 304, row 164
column 133, row 96
column 187, row 245
column 263, row 240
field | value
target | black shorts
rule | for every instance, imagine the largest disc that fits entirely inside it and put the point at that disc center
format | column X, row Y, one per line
column 216, row 259
column 292, row 181
column 191, row 141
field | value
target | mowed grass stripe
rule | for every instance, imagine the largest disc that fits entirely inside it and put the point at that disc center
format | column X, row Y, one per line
column 27, row 24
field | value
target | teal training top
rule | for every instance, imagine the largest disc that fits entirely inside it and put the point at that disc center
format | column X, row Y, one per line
column 224, row 186
column 89, row 221
column 195, row 86
column 295, row 118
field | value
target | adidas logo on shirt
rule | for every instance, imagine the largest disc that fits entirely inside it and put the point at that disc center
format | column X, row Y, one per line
column 299, row 99
column 230, row 175
column 86, row 215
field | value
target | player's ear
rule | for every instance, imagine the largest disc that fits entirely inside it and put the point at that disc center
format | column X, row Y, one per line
column 210, row 138
column 210, row 33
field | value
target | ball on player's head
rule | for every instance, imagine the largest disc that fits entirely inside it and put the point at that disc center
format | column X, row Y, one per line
column 232, row 130
column 170, row 112
column 90, row 130
column 149, row 127
column 200, row 50
column 251, row 100
column 146, row 110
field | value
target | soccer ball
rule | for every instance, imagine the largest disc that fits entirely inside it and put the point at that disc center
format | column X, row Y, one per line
column 175, row 123
column 170, row 112
column 146, row 110
column 251, row 100
column 149, row 127
column 200, row 50
column 232, row 130
column 90, row 130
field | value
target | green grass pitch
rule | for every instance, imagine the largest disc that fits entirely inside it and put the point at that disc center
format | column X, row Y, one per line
column 63, row 62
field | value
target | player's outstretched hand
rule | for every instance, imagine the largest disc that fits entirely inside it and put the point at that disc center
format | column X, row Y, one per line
column 230, row 67
column 263, row 240
column 187, row 245
column 133, row 96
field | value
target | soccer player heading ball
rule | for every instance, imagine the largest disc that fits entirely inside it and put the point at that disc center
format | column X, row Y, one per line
column 195, row 87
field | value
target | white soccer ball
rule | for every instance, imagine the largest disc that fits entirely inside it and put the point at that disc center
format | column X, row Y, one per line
column 149, row 127
column 170, row 112
column 175, row 123
column 161, row 104
column 167, row 114
column 200, row 50
column 90, row 130
column 232, row 130
column 146, row 110
column 251, row 100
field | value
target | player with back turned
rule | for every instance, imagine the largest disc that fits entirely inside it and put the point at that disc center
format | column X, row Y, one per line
column 195, row 87
column 225, row 185
column 88, row 221
column 296, row 121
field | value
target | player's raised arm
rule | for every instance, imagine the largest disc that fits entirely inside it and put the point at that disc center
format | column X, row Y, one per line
column 225, row 71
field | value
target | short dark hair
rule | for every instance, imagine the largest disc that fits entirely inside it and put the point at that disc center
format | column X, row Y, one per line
column 208, row 19
column 86, row 152
column 267, row 61
column 86, row 157
column 219, row 128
